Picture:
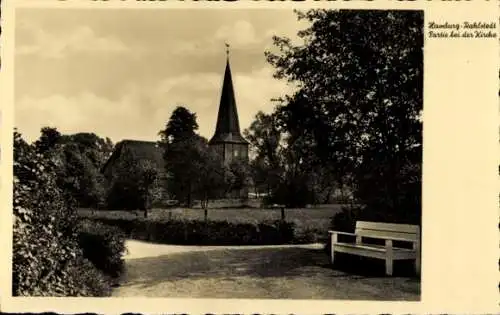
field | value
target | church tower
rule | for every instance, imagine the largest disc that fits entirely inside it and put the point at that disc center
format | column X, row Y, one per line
column 227, row 139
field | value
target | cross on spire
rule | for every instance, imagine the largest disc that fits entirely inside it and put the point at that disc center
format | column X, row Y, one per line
column 227, row 49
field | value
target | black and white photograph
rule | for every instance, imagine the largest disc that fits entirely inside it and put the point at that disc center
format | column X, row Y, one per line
column 218, row 153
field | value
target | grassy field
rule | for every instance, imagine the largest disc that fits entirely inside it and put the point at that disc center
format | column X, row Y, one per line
column 305, row 219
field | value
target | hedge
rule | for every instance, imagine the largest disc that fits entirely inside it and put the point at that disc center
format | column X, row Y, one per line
column 103, row 246
column 196, row 232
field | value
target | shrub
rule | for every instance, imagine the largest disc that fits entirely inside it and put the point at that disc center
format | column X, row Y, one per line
column 103, row 246
column 197, row 232
column 47, row 260
column 345, row 221
column 310, row 235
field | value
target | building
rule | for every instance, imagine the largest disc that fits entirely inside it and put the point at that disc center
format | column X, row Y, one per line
column 227, row 139
column 136, row 152
column 140, row 150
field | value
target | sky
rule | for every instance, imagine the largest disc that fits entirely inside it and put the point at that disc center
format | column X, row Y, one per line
column 121, row 72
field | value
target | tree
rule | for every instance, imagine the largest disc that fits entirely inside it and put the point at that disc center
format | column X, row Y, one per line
column 239, row 176
column 181, row 125
column 79, row 159
column 49, row 138
column 134, row 185
column 183, row 147
column 266, row 139
column 213, row 177
column 147, row 177
column 358, row 102
column 96, row 149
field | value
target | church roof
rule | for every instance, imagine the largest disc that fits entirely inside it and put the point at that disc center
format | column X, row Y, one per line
column 140, row 150
column 227, row 129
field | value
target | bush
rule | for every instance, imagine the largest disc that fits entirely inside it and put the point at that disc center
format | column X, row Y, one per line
column 103, row 246
column 310, row 235
column 345, row 221
column 47, row 260
column 197, row 232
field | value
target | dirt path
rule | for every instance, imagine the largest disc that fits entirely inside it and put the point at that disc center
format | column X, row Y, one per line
column 283, row 271
column 138, row 249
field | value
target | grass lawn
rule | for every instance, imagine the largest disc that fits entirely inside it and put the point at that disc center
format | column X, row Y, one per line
column 276, row 273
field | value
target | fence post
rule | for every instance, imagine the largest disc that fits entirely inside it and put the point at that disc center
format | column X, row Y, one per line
column 282, row 213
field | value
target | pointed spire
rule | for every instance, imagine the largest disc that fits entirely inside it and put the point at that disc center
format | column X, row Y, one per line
column 228, row 126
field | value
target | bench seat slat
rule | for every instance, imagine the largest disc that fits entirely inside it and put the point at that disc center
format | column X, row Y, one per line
column 341, row 233
column 375, row 251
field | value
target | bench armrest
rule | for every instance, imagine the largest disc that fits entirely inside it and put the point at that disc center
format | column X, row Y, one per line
column 341, row 233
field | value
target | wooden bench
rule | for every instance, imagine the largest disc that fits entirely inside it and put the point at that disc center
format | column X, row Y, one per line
column 385, row 231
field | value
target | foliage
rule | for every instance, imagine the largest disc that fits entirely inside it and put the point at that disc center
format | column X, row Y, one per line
column 47, row 260
column 79, row 159
column 284, row 167
column 103, row 246
column 356, row 112
column 211, row 175
column 266, row 141
column 49, row 138
column 181, row 125
column 197, row 232
column 345, row 221
column 134, row 185
column 238, row 176
column 195, row 170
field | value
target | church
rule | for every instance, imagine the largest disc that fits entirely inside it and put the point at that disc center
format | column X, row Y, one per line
column 226, row 140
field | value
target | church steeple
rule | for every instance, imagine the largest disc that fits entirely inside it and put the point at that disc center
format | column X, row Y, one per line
column 227, row 129
column 227, row 140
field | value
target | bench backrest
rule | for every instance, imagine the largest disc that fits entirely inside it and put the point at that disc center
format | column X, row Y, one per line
column 405, row 232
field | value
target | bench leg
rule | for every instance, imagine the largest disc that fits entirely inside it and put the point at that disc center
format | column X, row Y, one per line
column 388, row 266
column 416, row 248
column 417, row 265
column 388, row 257
column 332, row 249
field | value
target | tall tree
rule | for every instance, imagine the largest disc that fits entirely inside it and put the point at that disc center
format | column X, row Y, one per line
column 266, row 141
column 181, row 125
column 79, row 158
column 182, row 147
column 281, row 162
column 49, row 138
column 358, row 102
